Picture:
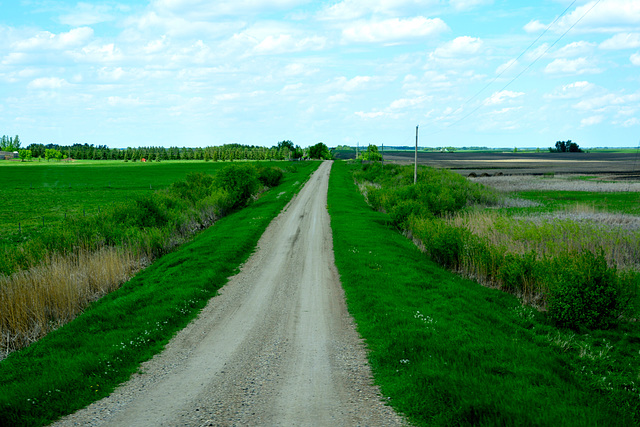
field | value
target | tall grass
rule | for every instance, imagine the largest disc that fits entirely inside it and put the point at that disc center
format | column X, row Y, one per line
column 36, row 301
column 541, row 261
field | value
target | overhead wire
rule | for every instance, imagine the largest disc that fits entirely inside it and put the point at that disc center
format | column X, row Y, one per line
column 524, row 70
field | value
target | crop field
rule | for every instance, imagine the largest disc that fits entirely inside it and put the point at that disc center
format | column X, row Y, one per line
column 611, row 165
column 36, row 195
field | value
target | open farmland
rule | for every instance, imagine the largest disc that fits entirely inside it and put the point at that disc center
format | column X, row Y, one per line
column 34, row 194
column 612, row 165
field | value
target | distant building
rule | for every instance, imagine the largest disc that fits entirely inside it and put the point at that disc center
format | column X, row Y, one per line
column 8, row 155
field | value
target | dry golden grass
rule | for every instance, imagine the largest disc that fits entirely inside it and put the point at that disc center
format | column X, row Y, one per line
column 36, row 301
column 511, row 183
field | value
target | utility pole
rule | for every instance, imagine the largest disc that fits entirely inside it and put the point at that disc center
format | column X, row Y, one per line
column 382, row 154
column 415, row 166
column 357, row 147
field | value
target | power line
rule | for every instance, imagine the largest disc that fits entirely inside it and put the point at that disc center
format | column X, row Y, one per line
column 525, row 69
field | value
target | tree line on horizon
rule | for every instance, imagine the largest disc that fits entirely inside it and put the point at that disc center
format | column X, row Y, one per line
column 284, row 150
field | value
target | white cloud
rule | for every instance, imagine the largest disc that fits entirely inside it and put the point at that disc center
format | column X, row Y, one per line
column 572, row 91
column 370, row 115
column 205, row 9
column 404, row 103
column 393, row 29
column 47, row 83
column 571, row 66
column 590, row 121
column 469, row 4
column 506, row 66
column 88, row 14
column 603, row 16
column 631, row 122
column 622, row 41
column 575, row 49
column 501, row 97
column 635, row 59
column 605, row 101
column 118, row 101
column 47, row 40
column 460, row 46
column 285, row 43
column 353, row 9
column 99, row 53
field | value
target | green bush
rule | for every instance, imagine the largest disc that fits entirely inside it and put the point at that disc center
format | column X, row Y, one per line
column 240, row 181
column 587, row 294
column 270, row 176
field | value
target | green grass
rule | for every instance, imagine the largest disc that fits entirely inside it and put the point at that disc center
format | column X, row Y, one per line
column 86, row 359
column 622, row 202
column 446, row 351
column 34, row 191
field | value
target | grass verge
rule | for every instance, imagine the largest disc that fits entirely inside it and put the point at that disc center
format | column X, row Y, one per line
column 447, row 351
column 86, row 359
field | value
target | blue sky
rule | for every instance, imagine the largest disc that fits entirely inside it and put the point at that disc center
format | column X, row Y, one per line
column 200, row 73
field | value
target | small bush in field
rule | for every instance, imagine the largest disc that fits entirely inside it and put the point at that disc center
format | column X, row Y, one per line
column 587, row 293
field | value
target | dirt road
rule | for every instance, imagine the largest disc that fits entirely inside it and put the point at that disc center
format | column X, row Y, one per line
column 276, row 347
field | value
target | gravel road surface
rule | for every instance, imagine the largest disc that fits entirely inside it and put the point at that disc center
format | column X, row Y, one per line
column 277, row 347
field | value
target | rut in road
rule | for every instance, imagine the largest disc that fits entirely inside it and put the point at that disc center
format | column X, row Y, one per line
column 276, row 347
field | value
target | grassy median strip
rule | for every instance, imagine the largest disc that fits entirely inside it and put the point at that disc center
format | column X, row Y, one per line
column 86, row 359
column 447, row 351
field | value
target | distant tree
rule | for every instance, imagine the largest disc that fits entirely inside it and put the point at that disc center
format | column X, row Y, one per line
column 9, row 144
column 286, row 144
column 372, row 154
column 320, row 151
column 25, row 155
column 566, row 147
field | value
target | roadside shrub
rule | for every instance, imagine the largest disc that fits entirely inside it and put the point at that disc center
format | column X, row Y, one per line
column 240, row 181
column 517, row 273
column 587, row 293
column 270, row 176
column 196, row 186
column 401, row 212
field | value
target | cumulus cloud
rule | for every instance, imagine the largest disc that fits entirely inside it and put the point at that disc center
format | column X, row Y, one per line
column 469, row 4
column 501, row 97
column 572, row 90
column 47, row 83
column 370, row 115
column 205, row 8
column 353, row 9
column 575, row 49
column 285, row 43
column 404, row 103
column 460, row 46
column 393, row 29
column 590, row 121
column 608, row 100
column 47, row 40
column 89, row 14
column 622, row 41
column 571, row 66
column 605, row 16
column 635, row 59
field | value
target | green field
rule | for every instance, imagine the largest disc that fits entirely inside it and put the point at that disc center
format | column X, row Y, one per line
column 37, row 191
column 620, row 202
